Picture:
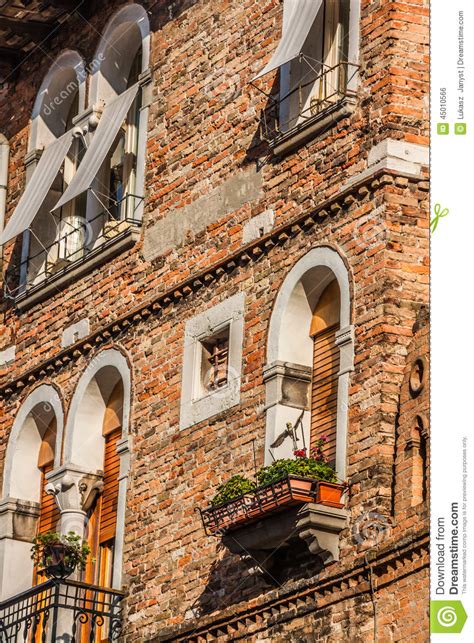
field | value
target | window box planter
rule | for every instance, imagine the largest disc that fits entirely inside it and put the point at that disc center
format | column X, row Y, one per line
column 283, row 494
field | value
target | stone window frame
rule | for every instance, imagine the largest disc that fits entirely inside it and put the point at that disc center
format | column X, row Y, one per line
column 78, row 465
column 197, row 408
column 279, row 373
column 30, row 291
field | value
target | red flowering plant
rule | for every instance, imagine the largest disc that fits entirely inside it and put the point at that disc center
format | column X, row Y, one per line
column 314, row 466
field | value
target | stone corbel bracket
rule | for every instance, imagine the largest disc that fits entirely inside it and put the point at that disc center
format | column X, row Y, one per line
column 319, row 526
column 90, row 486
column 18, row 519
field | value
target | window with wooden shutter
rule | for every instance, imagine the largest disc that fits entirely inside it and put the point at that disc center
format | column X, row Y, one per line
column 49, row 515
column 49, row 511
column 109, row 500
column 102, row 522
column 324, row 385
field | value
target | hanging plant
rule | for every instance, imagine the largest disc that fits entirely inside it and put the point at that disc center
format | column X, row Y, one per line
column 60, row 554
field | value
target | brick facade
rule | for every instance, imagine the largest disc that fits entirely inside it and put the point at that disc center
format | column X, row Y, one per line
column 202, row 148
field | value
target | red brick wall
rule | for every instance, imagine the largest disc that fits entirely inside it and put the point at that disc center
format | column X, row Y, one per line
column 199, row 136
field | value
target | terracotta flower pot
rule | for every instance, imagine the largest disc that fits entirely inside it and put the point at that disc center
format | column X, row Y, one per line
column 301, row 489
column 329, row 494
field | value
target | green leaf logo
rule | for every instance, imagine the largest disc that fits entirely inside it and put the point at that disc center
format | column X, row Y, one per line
column 447, row 617
column 439, row 213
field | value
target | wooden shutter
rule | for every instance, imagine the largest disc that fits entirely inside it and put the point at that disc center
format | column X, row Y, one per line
column 324, row 390
column 109, row 500
column 49, row 510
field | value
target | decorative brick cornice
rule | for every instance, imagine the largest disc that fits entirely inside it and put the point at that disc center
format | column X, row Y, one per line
column 248, row 253
column 339, row 587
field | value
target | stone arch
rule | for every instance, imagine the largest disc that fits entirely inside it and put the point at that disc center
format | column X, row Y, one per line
column 289, row 349
column 94, row 406
column 88, row 404
column 126, row 32
column 20, row 504
column 24, row 442
column 65, row 79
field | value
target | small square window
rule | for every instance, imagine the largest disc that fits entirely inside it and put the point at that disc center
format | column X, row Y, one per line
column 215, row 361
column 212, row 361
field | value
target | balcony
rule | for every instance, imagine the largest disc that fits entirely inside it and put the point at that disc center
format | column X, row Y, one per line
column 318, row 100
column 77, row 249
column 62, row 610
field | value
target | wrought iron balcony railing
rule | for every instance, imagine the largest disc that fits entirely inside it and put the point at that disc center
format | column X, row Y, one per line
column 62, row 610
column 316, row 95
column 77, row 240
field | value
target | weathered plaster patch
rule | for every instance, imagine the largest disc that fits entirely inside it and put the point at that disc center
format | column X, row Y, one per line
column 171, row 231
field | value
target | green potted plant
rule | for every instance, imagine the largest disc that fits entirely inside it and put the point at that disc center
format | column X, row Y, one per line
column 296, row 477
column 59, row 555
column 237, row 486
column 232, row 499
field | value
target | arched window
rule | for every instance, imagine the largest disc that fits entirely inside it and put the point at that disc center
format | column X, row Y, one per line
column 53, row 157
column 52, row 236
column 102, row 525
column 49, row 517
column 96, row 444
column 32, row 449
column 123, row 157
column 49, row 513
column 310, row 356
column 112, row 171
column 71, row 218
